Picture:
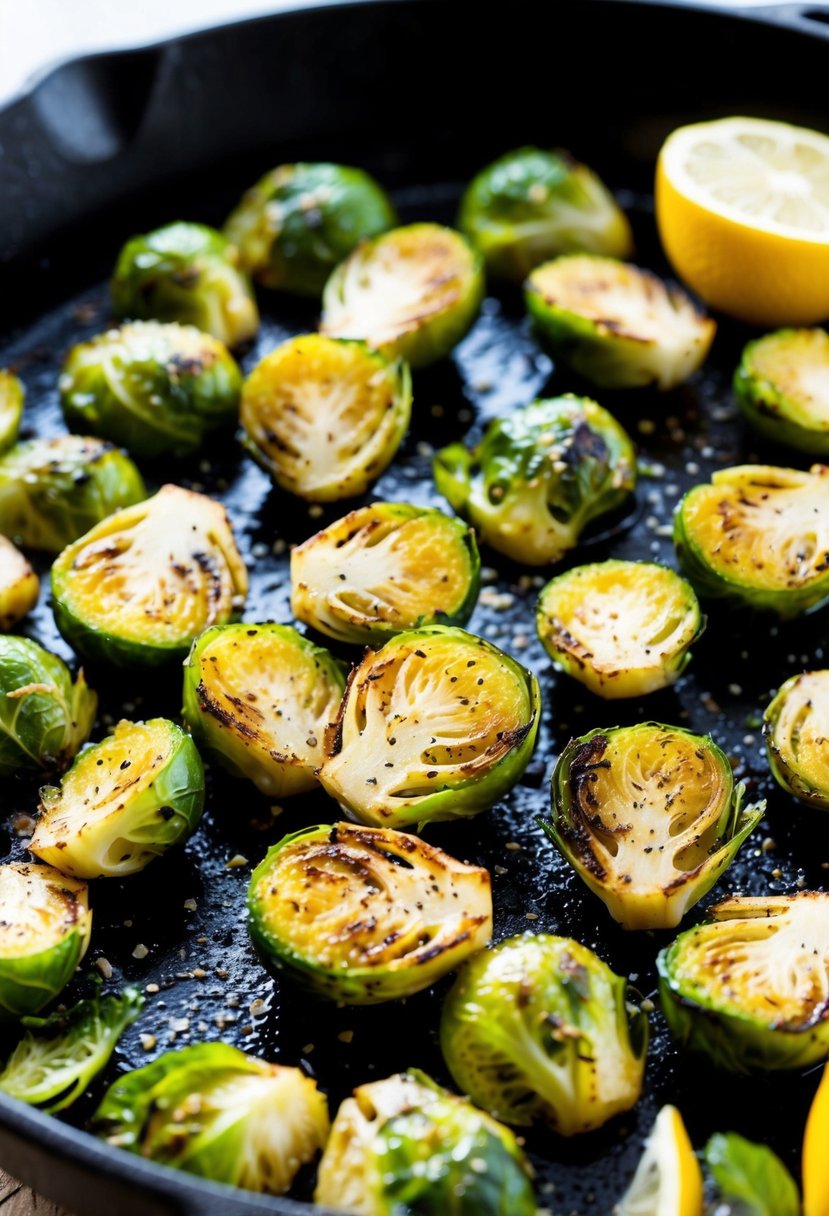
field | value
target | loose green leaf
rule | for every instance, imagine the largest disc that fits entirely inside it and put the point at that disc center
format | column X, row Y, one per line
column 751, row 1180
column 58, row 1056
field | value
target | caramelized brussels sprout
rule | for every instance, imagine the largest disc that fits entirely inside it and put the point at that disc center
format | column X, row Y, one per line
column 749, row 1179
column 749, row 987
column 12, row 395
column 406, row 1145
column 54, row 490
column 188, row 273
column 531, row 205
column 623, row 629
column 385, row 568
column 758, row 536
column 539, row 476
column 214, row 1111
column 438, row 724
column 299, row 221
column 782, row 387
column 668, row 1178
column 364, row 915
column 123, row 802
column 58, row 1056
column 44, row 716
column 324, row 418
column 617, row 325
column 259, row 698
column 143, row 584
column 538, row 1029
column 413, row 292
column 44, row 932
column 796, row 727
column 155, row 389
column 649, row 818
column 19, row 585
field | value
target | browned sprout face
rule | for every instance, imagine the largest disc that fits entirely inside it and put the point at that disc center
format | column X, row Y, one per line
column 19, row 585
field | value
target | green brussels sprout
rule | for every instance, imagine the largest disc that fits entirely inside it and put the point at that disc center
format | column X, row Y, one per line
column 54, row 490
column 412, row 292
column 617, row 325
column 155, row 389
column 143, row 584
column 363, row 915
column 796, row 727
column 438, row 724
column 324, row 418
column 758, row 536
column 623, row 629
column 211, row 1110
column 19, row 585
column 749, row 1179
column 539, row 476
column 404, row 1145
column 748, row 987
column 782, row 387
column 188, row 273
column 123, row 802
column 649, row 818
column 259, row 698
column 531, row 205
column 44, row 716
column 58, row 1056
column 299, row 221
column 538, row 1029
column 45, row 923
column 383, row 569
column 12, row 395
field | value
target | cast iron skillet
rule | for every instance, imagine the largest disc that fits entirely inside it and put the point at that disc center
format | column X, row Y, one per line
column 421, row 93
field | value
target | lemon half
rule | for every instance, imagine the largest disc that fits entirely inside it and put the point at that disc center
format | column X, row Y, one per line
column 668, row 1179
column 815, row 1145
column 742, row 206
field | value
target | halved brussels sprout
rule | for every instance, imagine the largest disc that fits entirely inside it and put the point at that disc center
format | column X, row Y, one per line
column 750, row 987
column 782, row 387
column 406, row 1145
column 19, row 585
column 538, row 1029
column 58, row 1056
column 364, row 915
column 749, row 1179
column 412, row 292
column 259, row 698
column 123, row 802
column 155, row 389
column 617, row 325
column 324, row 418
column 796, row 727
column 531, row 205
column 44, row 716
column 144, row 583
column 188, row 273
column 214, row 1111
column 539, row 476
column 758, row 535
column 438, row 724
column 54, row 490
column 623, row 629
column 385, row 568
column 45, row 923
column 649, row 818
column 299, row 221
column 12, row 395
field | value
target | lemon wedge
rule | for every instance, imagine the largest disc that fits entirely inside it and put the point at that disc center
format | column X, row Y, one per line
column 742, row 207
column 668, row 1179
column 815, row 1141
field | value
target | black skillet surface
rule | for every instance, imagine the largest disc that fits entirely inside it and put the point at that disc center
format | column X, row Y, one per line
column 187, row 910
